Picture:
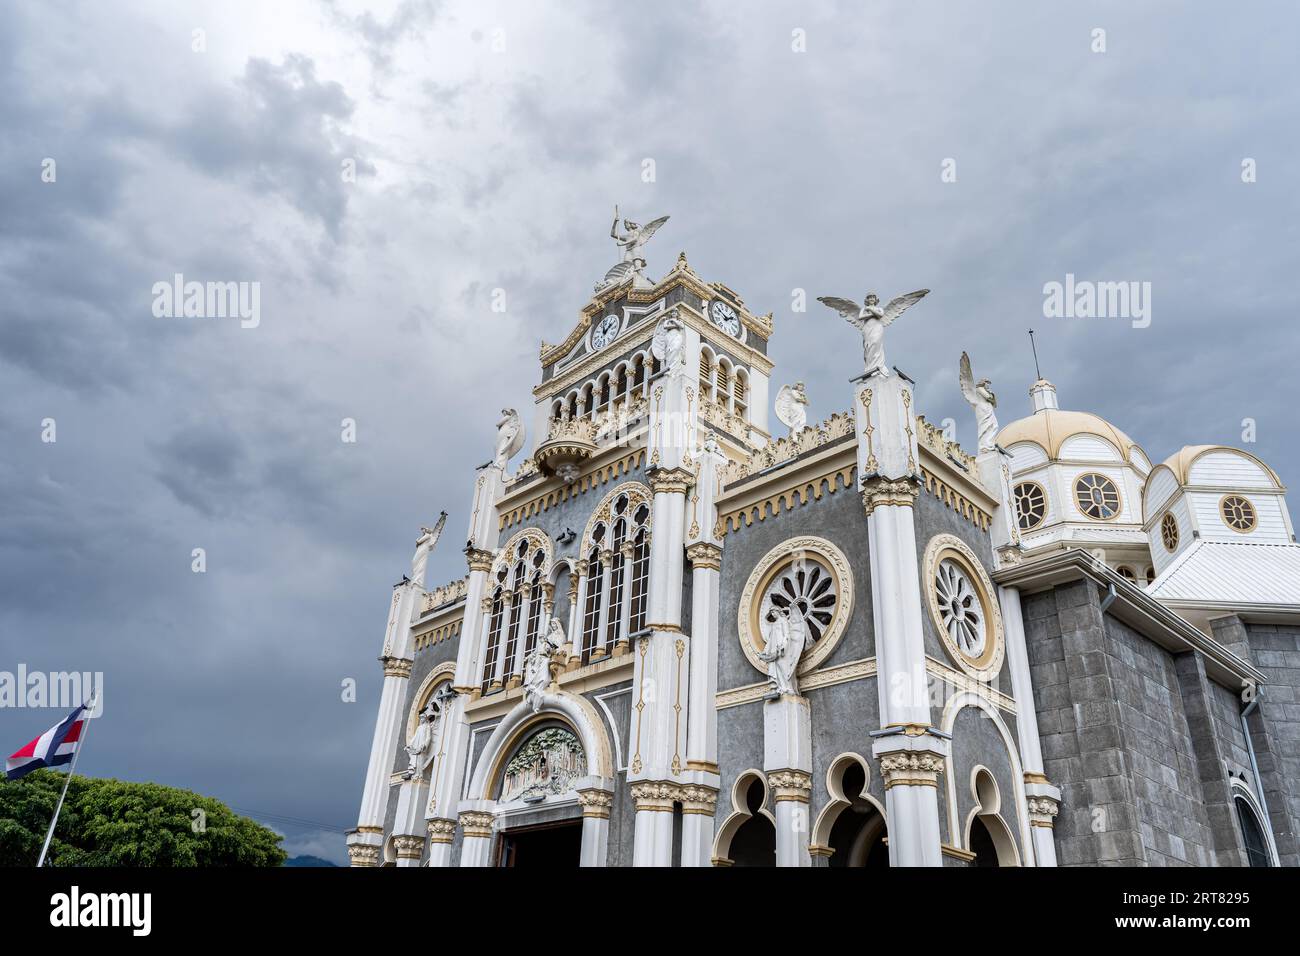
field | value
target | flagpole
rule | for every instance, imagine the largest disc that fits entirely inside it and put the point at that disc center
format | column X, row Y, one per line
column 72, row 768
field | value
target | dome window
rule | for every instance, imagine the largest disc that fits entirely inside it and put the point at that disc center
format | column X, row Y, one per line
column 1238, row 513
column 1031, row 504
column 1169, row 532
column 1096, row 496
column 1126, row 573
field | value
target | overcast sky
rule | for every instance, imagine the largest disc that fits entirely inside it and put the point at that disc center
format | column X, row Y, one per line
column 491, row 141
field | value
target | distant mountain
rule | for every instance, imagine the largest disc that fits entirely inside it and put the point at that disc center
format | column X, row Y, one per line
column 308, row 861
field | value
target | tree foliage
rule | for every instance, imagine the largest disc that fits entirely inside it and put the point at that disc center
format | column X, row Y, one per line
column 109, row 822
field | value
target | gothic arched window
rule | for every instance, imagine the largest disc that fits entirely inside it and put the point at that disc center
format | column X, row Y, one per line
column 516, row 609
column 614, row 586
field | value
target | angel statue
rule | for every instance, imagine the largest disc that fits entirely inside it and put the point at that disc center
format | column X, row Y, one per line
column 630, row 244
column 419, row 750
column 510, row 437
column 668, row 345
column 981, row 398
column 786, row 638
column 423, row 545
column 870, row 319
column 537, row 669
column 792, row 406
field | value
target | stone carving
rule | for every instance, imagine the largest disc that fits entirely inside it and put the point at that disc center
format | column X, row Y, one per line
column 445, row 594
column 981, row 398
column 537, row 669
column 549, row 762
column 871, row 320
column 630, row 243
column 510, row 437
column 668, row 346
column 785, row 638
column 792, row 406
column 423, row 545
column 798, row 443
column 933, row 438
column 419, row 750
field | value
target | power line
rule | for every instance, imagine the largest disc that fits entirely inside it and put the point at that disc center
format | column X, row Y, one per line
column 282, row 818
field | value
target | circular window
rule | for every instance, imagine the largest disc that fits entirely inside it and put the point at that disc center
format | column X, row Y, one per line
column 807, row 576
column 1031, row 504
column 962, row 607
column 1238, row 513
column 1096, row 496
column 1169, row 531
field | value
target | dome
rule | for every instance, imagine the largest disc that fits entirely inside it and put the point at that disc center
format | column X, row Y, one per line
column 1180, row 462
column 1050, row 427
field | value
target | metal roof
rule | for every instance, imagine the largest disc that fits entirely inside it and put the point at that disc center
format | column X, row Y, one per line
column 1232, row 572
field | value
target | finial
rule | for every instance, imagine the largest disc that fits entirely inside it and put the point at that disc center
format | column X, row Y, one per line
column 682, row 264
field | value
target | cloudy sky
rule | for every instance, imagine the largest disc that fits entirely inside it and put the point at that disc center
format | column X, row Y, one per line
column 490, row 142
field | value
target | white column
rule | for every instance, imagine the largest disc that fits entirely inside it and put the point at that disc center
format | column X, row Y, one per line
column 595, row 826
column 910, row 751
column 577, row 600
column 787, row 762
column 476, row 838
column 625, row 610
column 1043, row 798
column 606, row 581
column 441, row 833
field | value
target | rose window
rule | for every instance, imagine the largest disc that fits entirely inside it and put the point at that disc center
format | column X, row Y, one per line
column 960, row 608
column 806, row 588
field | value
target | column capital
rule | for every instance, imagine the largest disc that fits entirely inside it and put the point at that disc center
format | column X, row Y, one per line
column 475, row 823
column 1043, row 811
column 408, row 846
column 596, row 803
column 479, row 559
column 657, row 795
column 362, row 855
column 672, row 481
column 700, row 799
column 911, row 768
column 441, row 830
column 795, row 785
column 705, row 555
column 397, row 667
column 878, row 491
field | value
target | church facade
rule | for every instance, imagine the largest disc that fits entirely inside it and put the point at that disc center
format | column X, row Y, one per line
column 692, row 636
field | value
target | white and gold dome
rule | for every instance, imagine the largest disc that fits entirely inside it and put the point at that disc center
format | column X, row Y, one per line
column 1077, row 482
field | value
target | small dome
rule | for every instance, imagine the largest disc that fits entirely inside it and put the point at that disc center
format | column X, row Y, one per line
column 1051, row 427
column 1180, row 462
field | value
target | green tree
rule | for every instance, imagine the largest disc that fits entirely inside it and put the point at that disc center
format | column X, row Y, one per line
column 109, row 822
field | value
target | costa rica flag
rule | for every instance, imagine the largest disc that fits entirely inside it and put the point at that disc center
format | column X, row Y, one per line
column 53, row 748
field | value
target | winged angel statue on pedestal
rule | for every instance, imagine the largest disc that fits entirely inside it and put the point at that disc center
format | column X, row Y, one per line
column 981, row 398
column 870, row 319
column 630, row 243
column 669, row 346
column 792, row 407
column 510, row 437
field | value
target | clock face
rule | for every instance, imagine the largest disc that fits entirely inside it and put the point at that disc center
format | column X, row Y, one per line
column 725, row 318
column 605, row 332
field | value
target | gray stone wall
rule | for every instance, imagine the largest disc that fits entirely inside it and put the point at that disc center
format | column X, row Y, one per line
column 977, row 741
column 1116, row 738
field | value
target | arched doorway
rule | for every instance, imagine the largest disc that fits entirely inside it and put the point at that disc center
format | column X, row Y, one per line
column 754, row 843
column 858, row 838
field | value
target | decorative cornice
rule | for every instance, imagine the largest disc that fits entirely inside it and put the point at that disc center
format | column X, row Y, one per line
column 474, row 823
column 880, row 491
column 396, row 667
column 408, row 847
column 802, row 442
column 441, row 830
column 446, row 594
column 911, row 768
column 790, row 785
column 705, row 556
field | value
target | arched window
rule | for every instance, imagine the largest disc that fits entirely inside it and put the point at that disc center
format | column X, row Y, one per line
column 615, row 582
column 494, row 639
column 1252, row 834
column 516, row 610
column 723, row 391
column 742, row 392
